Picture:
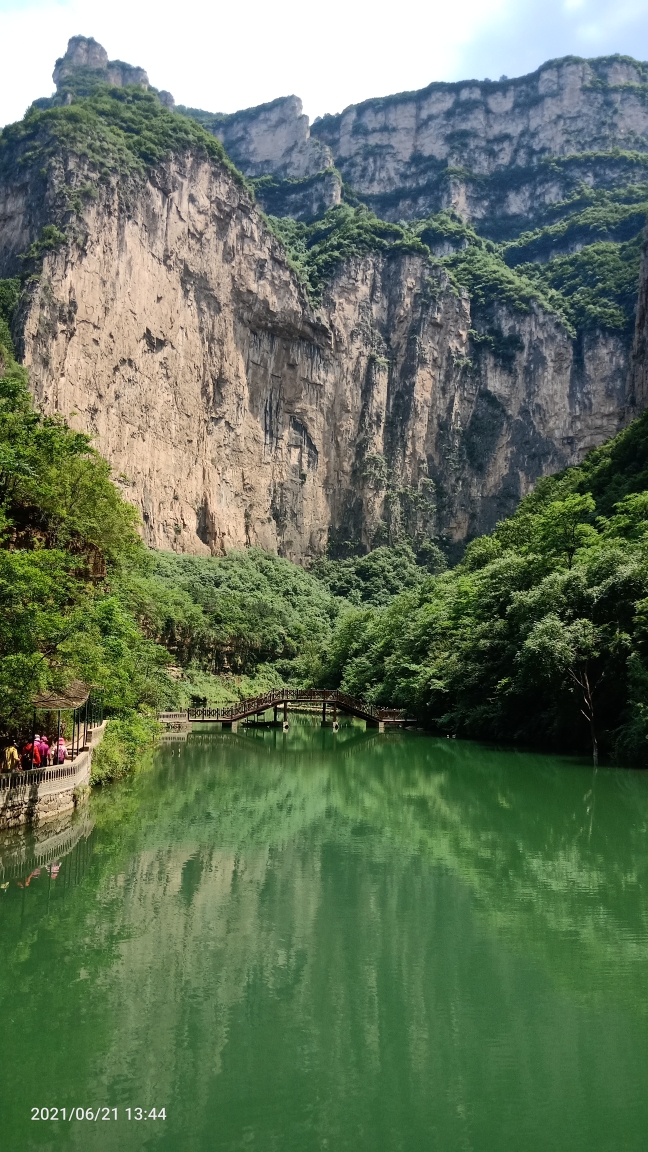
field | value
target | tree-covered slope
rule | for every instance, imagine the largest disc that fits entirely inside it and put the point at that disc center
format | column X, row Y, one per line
column 120, row 130
column 539, row 635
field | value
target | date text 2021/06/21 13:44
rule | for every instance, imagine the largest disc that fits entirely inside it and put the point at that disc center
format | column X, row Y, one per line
column 98, row 1113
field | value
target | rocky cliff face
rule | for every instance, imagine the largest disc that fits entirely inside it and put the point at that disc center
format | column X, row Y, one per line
column 273, row 138
column 173, row 329
column 499, row 152
column 169, row 321
column 639, row 364
column 272, row 144
column 477, row 145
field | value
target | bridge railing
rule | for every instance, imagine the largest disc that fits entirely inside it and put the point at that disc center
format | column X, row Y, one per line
column 277, row 696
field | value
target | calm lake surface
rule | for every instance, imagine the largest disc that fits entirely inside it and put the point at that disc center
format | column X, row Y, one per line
column 305, row 941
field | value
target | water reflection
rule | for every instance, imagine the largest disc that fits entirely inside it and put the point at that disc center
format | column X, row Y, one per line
column 27, row 852
column 315, row 940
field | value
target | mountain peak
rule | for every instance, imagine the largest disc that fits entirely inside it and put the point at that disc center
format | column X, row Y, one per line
column 85, row 55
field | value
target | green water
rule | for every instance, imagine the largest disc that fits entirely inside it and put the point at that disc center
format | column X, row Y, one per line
column 318, row 941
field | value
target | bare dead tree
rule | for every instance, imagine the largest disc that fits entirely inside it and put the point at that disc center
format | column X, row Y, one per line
column 582, row 680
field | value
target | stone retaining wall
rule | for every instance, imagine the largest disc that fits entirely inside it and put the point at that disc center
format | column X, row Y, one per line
column 41, row 794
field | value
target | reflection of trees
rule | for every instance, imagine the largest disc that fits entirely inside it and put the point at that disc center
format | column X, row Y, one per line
column 251, row 883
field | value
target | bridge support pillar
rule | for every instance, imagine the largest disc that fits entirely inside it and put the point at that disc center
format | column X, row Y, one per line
column 324, row 714
column 233, row 724
column 335, row 726
column 379, row 724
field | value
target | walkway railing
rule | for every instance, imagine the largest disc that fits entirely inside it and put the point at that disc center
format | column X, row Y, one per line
column 36, row 776
column 241, row 709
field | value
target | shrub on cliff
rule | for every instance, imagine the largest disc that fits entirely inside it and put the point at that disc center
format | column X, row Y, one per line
column 317, row 250
column 122, row 130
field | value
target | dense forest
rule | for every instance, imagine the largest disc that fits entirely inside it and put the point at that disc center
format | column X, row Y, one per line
column 539, row 634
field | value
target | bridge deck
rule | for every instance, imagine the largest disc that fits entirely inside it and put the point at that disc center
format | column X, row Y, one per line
column 277, row 697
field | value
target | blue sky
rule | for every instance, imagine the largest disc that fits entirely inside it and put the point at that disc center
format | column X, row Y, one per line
column 224, row 56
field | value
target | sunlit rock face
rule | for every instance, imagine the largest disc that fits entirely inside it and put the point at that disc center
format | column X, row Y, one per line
column 416, row 152
column 175, row 331
column 273, row 137
column 483, row 147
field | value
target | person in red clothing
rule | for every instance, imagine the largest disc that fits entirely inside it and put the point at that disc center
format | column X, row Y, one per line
column 30, row 750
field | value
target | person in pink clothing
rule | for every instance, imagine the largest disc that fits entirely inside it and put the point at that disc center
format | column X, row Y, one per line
column 60, row 752
column 44, row 749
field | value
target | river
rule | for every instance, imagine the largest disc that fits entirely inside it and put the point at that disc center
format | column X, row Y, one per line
column 289, row 942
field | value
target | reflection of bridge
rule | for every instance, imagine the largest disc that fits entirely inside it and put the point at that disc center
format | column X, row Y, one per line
column 280, row 699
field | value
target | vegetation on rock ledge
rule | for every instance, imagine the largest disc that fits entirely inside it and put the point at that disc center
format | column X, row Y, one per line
column 119, row 130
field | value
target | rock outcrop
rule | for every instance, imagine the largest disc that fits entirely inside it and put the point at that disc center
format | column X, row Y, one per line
column 274, row 138
column 272, row 145
column 85, row 56
column 175, row 331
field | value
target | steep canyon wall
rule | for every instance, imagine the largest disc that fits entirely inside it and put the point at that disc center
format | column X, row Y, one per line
column 172, row 327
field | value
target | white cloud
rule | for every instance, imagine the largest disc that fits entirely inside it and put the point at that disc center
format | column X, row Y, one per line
column 223, row 56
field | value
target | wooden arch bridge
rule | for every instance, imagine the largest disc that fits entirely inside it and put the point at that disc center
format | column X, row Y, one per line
column 280, row 699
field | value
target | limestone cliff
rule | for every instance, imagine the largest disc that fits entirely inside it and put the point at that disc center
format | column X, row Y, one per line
column 272, row 144
column 480, row 145
column 499, row 152
column 160, row 313
column 273, row 137
column 172, row 327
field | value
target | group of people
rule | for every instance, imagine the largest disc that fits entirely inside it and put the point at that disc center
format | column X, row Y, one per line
column 37, row 754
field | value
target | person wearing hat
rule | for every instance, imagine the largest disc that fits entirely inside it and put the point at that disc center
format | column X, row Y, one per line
column 59, row 751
